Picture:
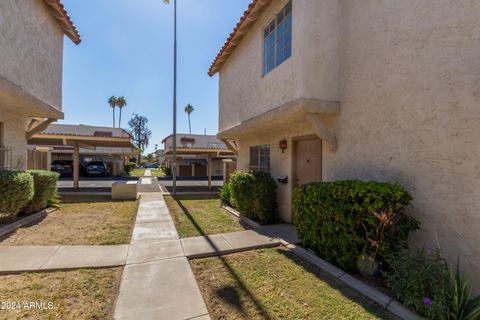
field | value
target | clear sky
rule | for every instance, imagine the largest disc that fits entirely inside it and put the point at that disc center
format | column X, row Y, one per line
column 127, row 49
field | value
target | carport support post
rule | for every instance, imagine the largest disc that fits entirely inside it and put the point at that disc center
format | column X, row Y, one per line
column 209, row 168
column 76, row 165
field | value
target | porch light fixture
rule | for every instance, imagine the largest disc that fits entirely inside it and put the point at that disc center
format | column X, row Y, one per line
column 282, row 144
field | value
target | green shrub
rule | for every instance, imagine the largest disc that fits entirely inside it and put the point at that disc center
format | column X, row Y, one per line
column 16, row 189
column 421, row 282
column 45, row 187
column 426, row 283
column 345, row 220
column 166, row 171
column 462, row 306
column 226, row 194
column 129, row 167
column 254, row 194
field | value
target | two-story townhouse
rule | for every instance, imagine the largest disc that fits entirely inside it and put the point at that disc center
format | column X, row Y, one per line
column 31, row 62
column 382, row 90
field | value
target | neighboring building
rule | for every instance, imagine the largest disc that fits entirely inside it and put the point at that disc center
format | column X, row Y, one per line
column 159, row 156
column 31, row 51
column 382, row 90
column 113, row 146
column 195, row 152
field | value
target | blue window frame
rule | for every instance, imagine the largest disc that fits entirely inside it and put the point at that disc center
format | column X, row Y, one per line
column 277, row 39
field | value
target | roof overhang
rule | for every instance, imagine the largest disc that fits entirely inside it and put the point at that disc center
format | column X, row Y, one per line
column 57, row 10
column 42, row 139
column 200, row 151
column 14, row 98
column 95, row 152
column 295, row 110
column 246, row 22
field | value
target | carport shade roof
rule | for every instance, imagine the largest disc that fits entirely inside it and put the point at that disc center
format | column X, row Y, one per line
column 53, row 139
column 194, row 151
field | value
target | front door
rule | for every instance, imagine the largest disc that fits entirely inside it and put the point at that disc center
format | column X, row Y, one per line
column 307, row 161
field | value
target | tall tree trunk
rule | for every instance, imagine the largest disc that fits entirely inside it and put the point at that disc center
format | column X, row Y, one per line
column 189, row 126
column 113, row 110
column 120, row 119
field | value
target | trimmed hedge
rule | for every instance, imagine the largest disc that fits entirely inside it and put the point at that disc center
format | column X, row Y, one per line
column 16, row 189
column 226, row 194
column 45, row 187
column 254, row 194
column 345, row 220
column 129, row 167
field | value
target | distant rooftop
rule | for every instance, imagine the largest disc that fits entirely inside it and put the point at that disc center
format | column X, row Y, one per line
column 194, row 141
column 86, row 130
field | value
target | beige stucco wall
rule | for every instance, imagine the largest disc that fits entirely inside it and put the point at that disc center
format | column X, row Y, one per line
column 14, row 127
column 31, row 49
column 409, row 92
column 310, row 72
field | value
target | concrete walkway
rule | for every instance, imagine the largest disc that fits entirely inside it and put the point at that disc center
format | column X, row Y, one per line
column 153, row 239
column 157, row 282
column 18, row 259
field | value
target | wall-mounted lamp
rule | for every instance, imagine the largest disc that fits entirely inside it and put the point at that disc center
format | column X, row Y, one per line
column 282, row 144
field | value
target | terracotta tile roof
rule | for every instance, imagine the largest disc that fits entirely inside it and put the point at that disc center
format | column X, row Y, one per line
column 250, row 15
column 61, row 16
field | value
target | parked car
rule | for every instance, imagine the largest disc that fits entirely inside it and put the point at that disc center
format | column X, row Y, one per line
column 152, row 166
column 63, row 167
column 97, row 168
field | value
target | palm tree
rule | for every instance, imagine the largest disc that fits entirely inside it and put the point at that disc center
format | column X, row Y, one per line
column 189, row 109
column 112, row 101
column 121, row 102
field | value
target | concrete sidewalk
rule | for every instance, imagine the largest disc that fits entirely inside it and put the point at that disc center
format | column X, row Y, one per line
column 20, row 259
column 157, row 282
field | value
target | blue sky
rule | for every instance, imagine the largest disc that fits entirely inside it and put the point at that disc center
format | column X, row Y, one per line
column 127, row 49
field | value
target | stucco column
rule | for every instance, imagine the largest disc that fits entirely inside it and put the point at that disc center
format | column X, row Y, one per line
column 49, row 159
column 224, row 169
column 209, row 171
column 76, row 165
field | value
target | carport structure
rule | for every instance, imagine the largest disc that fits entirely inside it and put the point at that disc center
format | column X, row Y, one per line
column 200, row 153
column 81, row 136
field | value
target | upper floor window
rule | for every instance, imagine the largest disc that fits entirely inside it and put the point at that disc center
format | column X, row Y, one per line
column 260, row 158
column 277, row 39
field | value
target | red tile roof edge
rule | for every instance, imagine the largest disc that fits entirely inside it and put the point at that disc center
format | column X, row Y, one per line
column 65, row 22
column 246, row 13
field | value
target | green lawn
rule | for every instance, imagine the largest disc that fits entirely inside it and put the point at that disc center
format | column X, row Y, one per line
column 89, row 222
column 141, row 172
column 200, row 215
column 276, row 284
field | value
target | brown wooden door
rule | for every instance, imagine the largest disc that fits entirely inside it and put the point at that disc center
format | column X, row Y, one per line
column 185, row 171
column 200, row 171
column 307, row 161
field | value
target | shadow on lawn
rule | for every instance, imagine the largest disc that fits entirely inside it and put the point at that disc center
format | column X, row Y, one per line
column 228, row 294
column 369, row 305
